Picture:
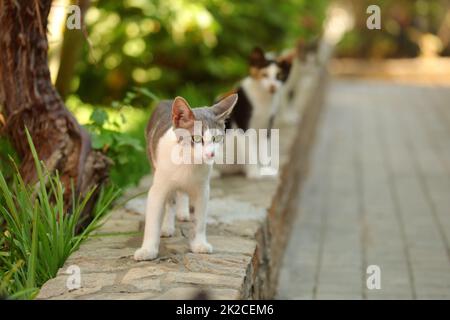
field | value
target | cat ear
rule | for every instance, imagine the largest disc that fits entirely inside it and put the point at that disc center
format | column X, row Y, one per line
column 285, row 66
column 224, row 107
column 182, row 115
column 257, row 58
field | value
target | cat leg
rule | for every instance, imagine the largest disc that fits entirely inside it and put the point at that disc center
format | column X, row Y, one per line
column 153, row 215
column 182, row 206
column 266, row 158
column 168, row 225
column 199, row 243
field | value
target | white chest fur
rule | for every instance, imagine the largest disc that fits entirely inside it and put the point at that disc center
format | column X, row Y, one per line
column 180, row 176
column 261, row 101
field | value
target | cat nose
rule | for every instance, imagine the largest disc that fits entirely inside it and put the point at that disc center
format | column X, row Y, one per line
column 272, row 88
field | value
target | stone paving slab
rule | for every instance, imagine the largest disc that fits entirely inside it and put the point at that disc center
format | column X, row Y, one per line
column 377, row 194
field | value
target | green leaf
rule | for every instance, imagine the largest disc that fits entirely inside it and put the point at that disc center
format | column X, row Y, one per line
column 122, row 117
column 147, row 93
column 124, row 140
column 122, row 159
column 99, row 117
column 101, row 140
column 116, row 104
column 36, row 233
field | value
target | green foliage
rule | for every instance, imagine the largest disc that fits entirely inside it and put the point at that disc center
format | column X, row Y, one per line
column 125, row 148
column 169, row 46
column 36, row 232
column 164, row 48
column 6, row 152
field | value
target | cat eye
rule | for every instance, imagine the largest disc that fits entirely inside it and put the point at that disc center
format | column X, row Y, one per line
column 197, row 139
column 217, row 139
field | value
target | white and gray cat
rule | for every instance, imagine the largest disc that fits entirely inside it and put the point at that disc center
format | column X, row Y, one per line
column 176, row 184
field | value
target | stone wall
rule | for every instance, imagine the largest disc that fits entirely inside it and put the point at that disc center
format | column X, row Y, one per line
column 275, row 230
column 248, row 225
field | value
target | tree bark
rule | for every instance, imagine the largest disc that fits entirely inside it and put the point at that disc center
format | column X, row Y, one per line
column 28, row 99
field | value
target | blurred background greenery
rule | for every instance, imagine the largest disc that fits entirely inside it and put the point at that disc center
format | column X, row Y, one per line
column 134, row 52
column 409, row 28
column 140, row 51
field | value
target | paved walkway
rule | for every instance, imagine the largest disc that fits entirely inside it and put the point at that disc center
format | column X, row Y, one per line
column 378, row 193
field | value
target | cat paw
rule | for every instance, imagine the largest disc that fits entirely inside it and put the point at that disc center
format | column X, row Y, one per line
column 201, row 247
column 142, row 254
column 167, row 232
column 183, row 216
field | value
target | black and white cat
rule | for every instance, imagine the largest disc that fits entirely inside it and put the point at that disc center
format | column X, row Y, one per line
column 254, row 109
column 200, row 132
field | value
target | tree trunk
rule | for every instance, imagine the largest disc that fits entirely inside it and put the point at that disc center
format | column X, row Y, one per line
column 28, row 99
